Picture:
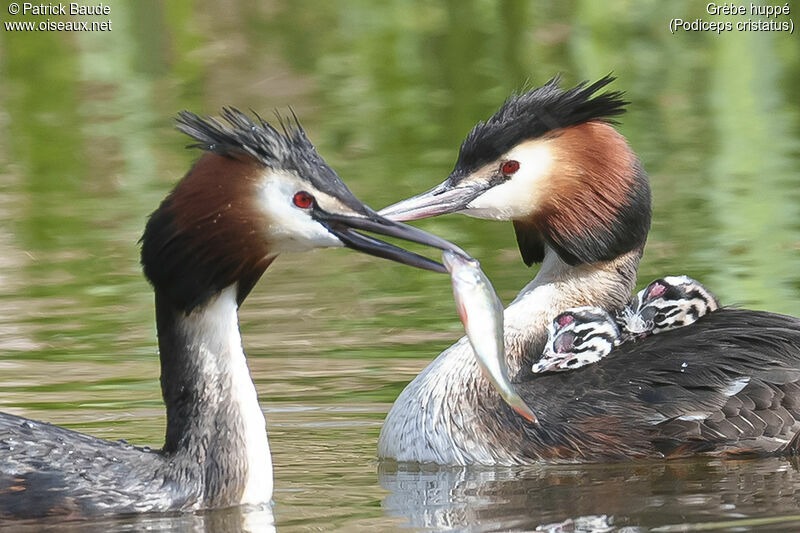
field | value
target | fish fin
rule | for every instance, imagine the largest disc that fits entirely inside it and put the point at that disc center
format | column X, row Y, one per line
column 526, row 414
column 462, row 313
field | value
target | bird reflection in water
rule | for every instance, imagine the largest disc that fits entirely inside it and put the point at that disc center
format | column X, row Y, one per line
column 595, row 497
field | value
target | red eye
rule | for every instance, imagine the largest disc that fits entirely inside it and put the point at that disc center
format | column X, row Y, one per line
column 509, row 167
column 303, row 200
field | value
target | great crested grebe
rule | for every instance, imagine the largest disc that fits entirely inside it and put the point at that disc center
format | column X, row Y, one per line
column 550, row 161
column 578, row 337
column 255, row 192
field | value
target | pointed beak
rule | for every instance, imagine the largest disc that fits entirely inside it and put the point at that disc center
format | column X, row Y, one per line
column 345, row 226
column 442, row 199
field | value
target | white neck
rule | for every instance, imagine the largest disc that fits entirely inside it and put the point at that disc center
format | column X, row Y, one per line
column 213, row 412
column 435, row 417
column 558, row 287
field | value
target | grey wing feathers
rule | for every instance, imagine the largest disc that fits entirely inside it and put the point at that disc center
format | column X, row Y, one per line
column 729, row 383
column 740, row 393
column 48, row 470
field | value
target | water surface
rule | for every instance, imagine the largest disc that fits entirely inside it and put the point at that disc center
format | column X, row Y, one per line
column 87, row 150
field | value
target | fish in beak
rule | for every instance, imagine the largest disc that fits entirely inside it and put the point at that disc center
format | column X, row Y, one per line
column 481, row 312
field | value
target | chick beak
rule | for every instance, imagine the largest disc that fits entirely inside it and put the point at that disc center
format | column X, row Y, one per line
column 442, row 199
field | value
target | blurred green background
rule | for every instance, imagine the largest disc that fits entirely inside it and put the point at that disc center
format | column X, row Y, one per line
column 386, row 90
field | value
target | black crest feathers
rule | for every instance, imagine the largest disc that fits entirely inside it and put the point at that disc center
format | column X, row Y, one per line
column 241, row 136
column 535, row 113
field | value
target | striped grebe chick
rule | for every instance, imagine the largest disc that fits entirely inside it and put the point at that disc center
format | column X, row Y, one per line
column 667, row 303
column 584, row 335
column 578, row 337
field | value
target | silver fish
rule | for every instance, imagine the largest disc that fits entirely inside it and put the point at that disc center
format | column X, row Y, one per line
column 481, row 312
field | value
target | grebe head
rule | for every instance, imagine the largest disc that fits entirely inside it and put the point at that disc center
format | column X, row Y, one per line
column 673, row 302
column 256, row 192
column 577, row 337
column 550, row 161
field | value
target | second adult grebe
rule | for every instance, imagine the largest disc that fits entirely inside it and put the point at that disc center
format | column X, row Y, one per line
column 551, row 162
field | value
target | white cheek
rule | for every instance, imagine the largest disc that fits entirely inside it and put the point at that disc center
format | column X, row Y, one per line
column 292, row 229
column 521, row 195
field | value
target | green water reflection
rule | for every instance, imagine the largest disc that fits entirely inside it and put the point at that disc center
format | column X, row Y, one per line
column 387, row 91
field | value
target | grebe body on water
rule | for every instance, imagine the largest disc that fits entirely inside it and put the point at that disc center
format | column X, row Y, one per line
column 551, row 162
column 256, row 192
